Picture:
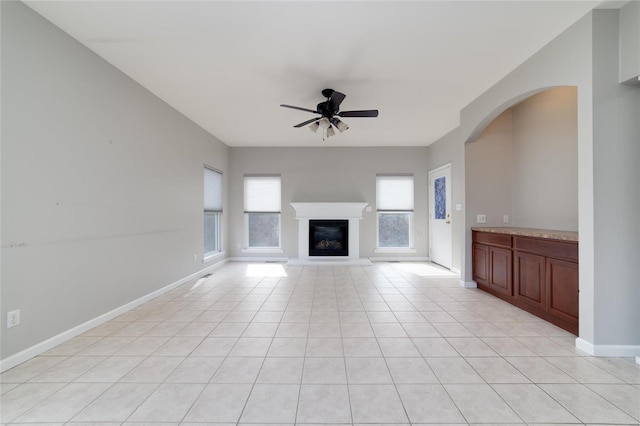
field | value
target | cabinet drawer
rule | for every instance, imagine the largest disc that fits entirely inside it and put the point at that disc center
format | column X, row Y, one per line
column 492, row 239
column 546, row 248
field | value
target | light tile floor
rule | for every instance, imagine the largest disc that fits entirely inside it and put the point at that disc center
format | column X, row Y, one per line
column 393, row 343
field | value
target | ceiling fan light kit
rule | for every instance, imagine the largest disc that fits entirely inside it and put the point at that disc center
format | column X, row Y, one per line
column 324, row 123
column 340, row 125
column 314, row 127
column 329, row 111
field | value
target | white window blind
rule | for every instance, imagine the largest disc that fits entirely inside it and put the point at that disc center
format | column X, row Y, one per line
column 212, row 190
column 262, row 194
column 394, row 193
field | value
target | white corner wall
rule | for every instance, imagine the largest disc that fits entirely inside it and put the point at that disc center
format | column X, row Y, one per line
column 102, row 184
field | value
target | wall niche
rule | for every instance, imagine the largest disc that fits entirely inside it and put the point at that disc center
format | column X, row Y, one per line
column 524, row 165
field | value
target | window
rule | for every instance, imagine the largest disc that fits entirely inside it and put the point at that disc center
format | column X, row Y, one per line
column 212, row 211
column 394, row 198
column 262, row 210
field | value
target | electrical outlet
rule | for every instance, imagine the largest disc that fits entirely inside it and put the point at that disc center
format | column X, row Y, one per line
column 481, row 218
column 13, row 318
column 505, row 218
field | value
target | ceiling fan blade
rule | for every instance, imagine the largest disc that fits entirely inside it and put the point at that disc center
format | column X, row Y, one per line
column 335, row 100
column 299, row 108
column 364, row 113
column 304, row 123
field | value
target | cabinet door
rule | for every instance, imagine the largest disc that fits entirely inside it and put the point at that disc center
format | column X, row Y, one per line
column 530, row 279
column 500, row 270
column 562, row 289
column 480, row 258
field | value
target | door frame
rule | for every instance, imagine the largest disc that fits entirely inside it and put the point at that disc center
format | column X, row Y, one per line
column 430, row 210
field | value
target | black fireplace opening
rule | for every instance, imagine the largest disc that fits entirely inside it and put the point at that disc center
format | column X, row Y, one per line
column 328, row 238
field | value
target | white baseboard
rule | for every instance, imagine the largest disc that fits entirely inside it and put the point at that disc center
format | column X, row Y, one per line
column 617, row 351
column 328, row 262
column 468, row 284
column 399, row 259
column 39, row 348
column 260, row 259
column 455, row 270
column 585, row 346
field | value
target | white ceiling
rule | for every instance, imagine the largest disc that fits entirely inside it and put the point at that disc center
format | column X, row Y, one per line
column 227, row 65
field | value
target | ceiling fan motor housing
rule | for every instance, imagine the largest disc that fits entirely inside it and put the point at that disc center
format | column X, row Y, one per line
column 327, row 93
column 323, row 109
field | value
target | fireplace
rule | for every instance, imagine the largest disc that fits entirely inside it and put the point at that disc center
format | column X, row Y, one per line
column 329, row 237
column 343, row 212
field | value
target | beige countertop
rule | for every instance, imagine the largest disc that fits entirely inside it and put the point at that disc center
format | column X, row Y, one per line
column 530, row 232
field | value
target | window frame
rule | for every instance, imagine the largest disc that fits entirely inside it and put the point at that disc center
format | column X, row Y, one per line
column 207, row 255
column 410, row 231
column 262, row 249
column 408, row 211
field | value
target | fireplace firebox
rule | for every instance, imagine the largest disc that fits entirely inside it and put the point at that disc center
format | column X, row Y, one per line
column 328, row 238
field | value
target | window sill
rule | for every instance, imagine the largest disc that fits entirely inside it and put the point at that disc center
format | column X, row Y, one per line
column 213, row 256
column 274, row 250
column 394, row 250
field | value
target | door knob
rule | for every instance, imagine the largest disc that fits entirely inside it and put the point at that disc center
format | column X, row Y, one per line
column 448, row 221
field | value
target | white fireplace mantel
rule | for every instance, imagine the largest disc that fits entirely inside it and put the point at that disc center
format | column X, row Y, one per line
column 351, row 211
column 336, row 210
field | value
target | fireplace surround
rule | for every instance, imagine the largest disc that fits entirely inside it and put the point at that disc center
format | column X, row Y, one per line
column 350, row 213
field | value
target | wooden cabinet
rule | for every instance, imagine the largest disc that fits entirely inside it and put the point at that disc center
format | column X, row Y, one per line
column 530, row 277
column 538, row 275
column 562, row 289
column 480, row 263
column 492, row 267
column 500, row 270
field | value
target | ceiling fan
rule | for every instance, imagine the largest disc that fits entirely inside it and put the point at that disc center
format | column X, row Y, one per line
column 329, row 111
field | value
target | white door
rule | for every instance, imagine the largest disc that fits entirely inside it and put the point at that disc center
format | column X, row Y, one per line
column 440, row 229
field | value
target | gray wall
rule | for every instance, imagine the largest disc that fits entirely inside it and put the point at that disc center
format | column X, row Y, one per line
column 630, row 42
column 327, row 174
column 584, row 56
column 565, row 61
column 489, row 172
column 545, row 161
column 510, row 169
column 449, row 150
column 616, row 154
column 102, row 184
